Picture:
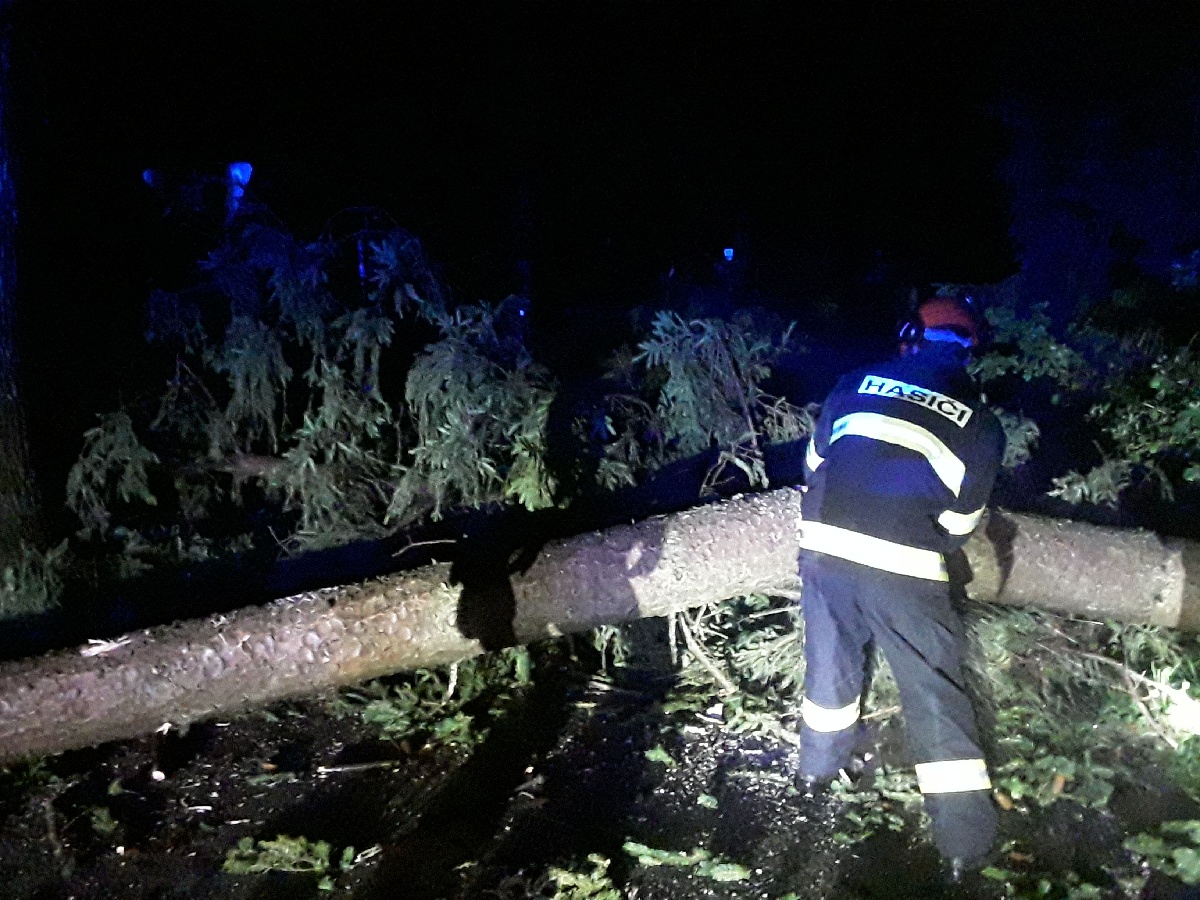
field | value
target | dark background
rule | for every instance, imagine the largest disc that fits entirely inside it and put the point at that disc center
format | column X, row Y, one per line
column 848, row 155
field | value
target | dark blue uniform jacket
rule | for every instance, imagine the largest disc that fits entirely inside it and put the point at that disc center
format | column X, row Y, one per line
column 901, row 464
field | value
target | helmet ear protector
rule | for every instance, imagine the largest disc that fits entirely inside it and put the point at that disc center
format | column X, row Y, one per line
column 911, row 330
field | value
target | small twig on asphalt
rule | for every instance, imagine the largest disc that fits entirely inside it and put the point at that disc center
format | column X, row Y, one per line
column 412, row 544
column 52, row 827
column 359, row 767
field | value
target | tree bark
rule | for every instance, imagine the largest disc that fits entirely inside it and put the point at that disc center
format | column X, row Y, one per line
column 340, row 636
column 18, row 495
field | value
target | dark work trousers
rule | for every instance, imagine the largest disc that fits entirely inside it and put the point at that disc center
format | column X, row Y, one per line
column 846, row 606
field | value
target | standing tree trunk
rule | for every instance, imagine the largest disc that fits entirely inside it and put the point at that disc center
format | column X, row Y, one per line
column 18, row 494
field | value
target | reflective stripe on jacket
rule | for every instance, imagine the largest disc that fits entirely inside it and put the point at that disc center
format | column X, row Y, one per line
column 901, row 464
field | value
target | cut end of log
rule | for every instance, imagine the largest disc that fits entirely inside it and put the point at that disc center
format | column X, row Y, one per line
column 1188, row 555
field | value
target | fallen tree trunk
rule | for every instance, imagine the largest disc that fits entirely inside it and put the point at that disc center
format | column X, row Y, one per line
column 341, row 636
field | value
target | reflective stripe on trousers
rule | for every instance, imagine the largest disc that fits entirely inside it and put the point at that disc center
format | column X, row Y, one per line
column 953, row 776
column 827, row 721
column 847, row 607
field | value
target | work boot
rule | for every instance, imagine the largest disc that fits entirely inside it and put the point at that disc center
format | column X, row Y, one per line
column 863, row 766
column 811, row 786
column 964, row 870
column 817, row 785
column 860, row 771
column 958, row 870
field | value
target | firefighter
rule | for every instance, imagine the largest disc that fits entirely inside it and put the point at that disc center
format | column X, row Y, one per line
column 899, row 469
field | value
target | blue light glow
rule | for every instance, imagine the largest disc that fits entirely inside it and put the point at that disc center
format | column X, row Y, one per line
column 729, row 254
column 240, row 172
column 239, row 175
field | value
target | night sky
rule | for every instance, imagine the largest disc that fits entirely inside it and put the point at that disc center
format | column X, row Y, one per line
column 605, row 143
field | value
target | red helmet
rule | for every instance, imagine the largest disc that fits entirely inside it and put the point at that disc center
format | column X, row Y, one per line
column 943, row 318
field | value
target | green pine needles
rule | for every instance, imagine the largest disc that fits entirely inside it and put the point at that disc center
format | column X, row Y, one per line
column 1139, row 385
column 349, row 407
column 479, row 406
column 111, row 467
column 289, row 384
column 693, row 386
